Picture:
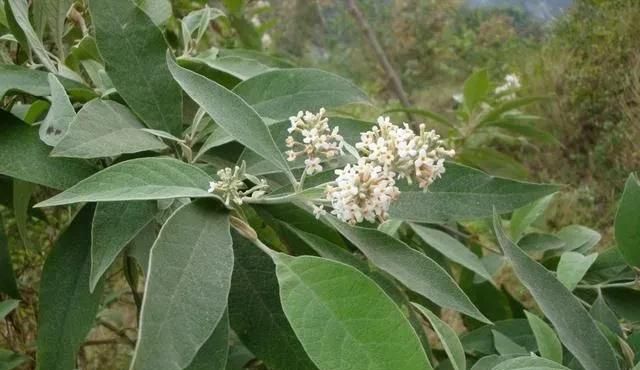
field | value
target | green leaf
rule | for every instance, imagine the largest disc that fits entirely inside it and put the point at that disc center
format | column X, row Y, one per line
column 493, row 161
column 213, row 353
column 56, row 13
column 10, row 360
column 60, row 115
column 510, row 105
column 30, row 81
column 186, row 287
column 489, row 362
column 412, row 268
column 572, row 268
column 627, row 226
column 548, row 343
column 282, row 93
column 525, row 216
column 22, row 192
column 115, row 224
column 343, row 319
column 133, row 49
column 230, row 112
column 601, row 312
column 452, row 249
column 104, row 128
column 25, row 157
column 480, row 341
column 256, row 313
column 529, row 363
column 266, row 59
column 540, row 242
column 505, row 346
column 236, row 68
column 576, row 329
column 14, row 28
column 8, row 283
column 20, row 11
column 464, row 193
column 66, row 308
column 476, row 88
column 579, row 238
column 422, row 112
column 140, row 247
column 137, row 179
column 448, row 339
column 158, row 10
column 7, row 306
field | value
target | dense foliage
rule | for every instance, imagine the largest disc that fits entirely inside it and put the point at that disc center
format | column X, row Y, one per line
column 211, row 206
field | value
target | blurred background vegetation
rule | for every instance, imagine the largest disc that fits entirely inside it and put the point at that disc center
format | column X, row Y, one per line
column 583, row 54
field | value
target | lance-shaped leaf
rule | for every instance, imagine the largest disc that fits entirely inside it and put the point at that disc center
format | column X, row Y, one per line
column 133, row 50
column 282, row 93
column 186, row 288
column 230, row 112
column 7, row 306
column 29, row 81
column 548, row 343
column 577, row 331
column 343, row 319
column 214, row 352
column 412, row 268
column 20, row 12
column 22, row 192
column 627, row 227
column 448, row 339
column 60, row 115
column 523, row 217
column 256, row 313
column 104, row 128
column 158, row 10
column 115, row 224
column 137, row 179
column 25, row 157
column 452, row 249
column 66, row 307
column 8, row 283
column 464, row 193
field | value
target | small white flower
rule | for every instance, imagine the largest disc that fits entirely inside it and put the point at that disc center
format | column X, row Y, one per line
column 318, row 210
column 266, row 41
column 400, row 151
column 362, row 192
column 316, row 140
column 509, row 88
column 231, row 186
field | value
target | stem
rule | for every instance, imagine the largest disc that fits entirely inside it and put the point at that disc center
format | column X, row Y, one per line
column 263, row 247
column 130, row 274
column 270, row 200
column 118, row 332
column 626, row 284
column 301, row 183
column 372, row 39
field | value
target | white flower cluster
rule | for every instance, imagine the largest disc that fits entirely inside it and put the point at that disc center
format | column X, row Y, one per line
column 404, row 154
column 318, row 140
column 365, row 191
column 511, row 84
column 232, row 188
column 361, row 192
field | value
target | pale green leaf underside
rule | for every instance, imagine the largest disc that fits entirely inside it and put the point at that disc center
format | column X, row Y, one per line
column 343, row 319
column 29, row 81
column 186, row 288
column 104, row 128
column 572, row 268
column 577, row 331
column 137, row 179
column 214, row 352
column 61, row 113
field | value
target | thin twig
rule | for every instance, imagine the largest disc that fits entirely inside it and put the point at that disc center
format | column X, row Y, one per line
column 120, row 333
column 372, row 39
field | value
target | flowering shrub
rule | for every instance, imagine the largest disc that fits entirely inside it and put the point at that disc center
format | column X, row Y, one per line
column 251, row 238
